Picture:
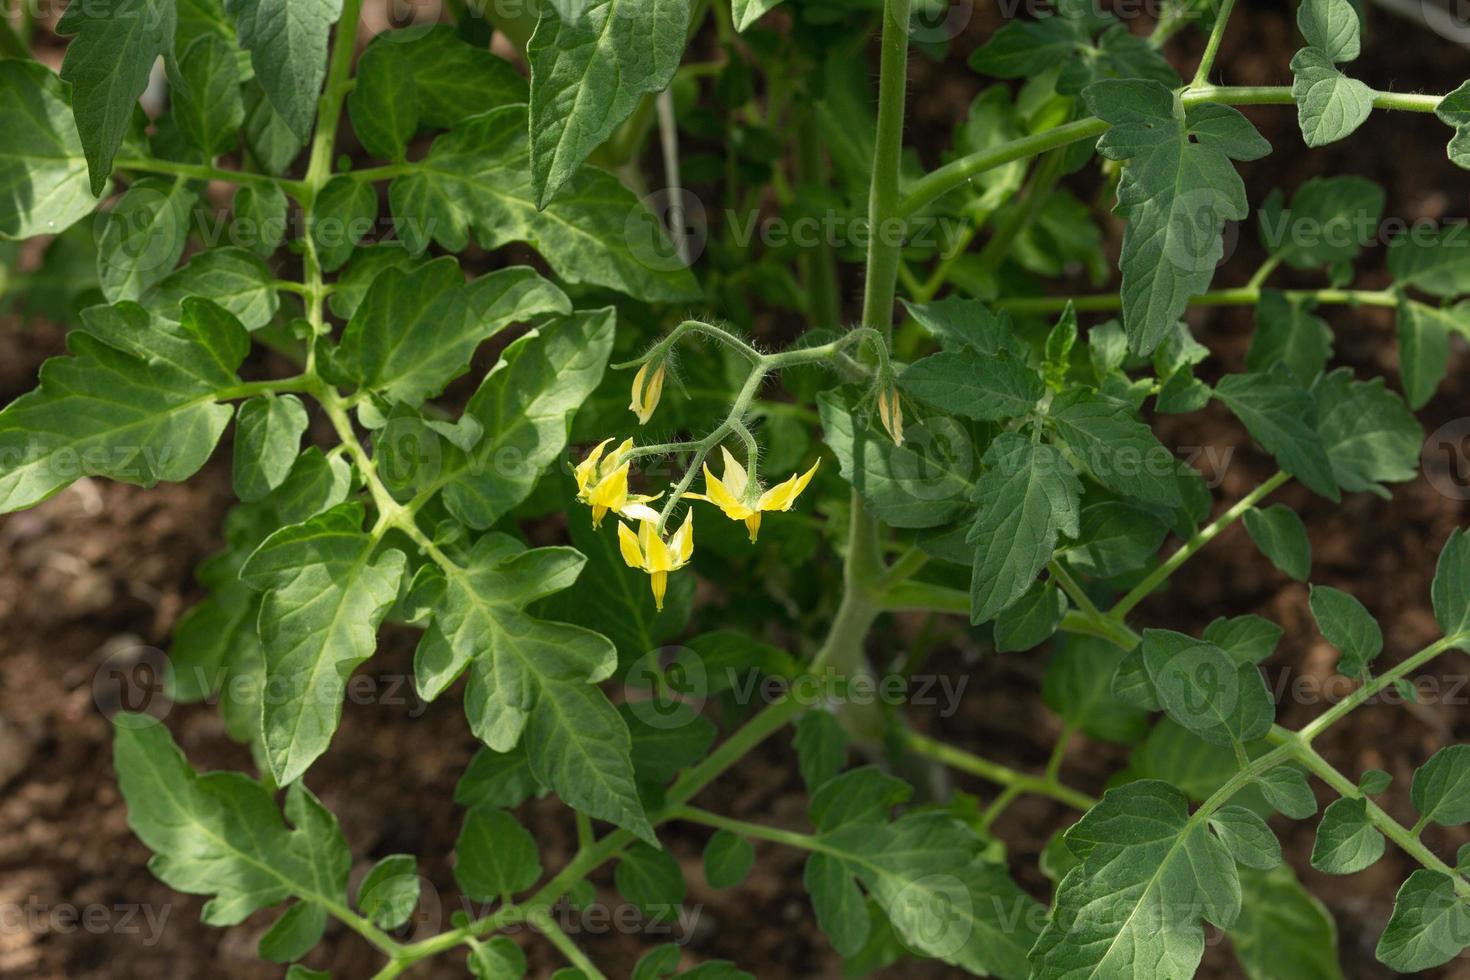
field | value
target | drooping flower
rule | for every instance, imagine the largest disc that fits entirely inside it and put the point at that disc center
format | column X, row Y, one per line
column 647, row 550
column 729, row 493
column 602, row 484
column 646, row 391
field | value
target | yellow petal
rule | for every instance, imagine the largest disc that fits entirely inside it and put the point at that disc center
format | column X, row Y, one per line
column 585, row 469
column 783, row 495
column 636, row 511
column 611, row 491
column 721, row 496
column 628, row 545
column 646, row 395
column 660, row 583
column 682, row 543
column 598, row 513
column 890, row 411
column 735, row 478
column 656, row 556
column 753, row 525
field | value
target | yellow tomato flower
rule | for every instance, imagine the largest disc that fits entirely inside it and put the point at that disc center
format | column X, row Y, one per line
column 729, row 493
column 650, row 552
column 646, row 396
column 602, row 484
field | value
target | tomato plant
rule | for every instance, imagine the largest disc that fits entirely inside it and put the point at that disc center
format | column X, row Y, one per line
column 469, row 292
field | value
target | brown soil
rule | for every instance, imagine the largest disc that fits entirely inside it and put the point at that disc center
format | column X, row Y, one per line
column 102, row 571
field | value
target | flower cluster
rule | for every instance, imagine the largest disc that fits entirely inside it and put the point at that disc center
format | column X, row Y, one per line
column 602, row 484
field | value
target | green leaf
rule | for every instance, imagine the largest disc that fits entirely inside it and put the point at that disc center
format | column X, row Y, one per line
column 1287, row 332
column 1329, row 105
column 841, row 912
column 650, row 879
column 1281, row 536
column 287, row 41
column 1078, row 687
column 524, row 406
column 1203, row 689
column 923, row 483
column 272, row 142
column 1374, row 781
column 450, row 80
column 1032, row 620
column 141, row 239
column 1283, row 931
column 1118, row 451
column 1454, row 111
column 1287, row 790
column 821, row 748
column 727, row 859
column 1157, row 870
column 499, row 958
column 1433, row 259
column 1450, row 590
column 384, row 104
column 588, row 74
column 528, row 676
column 1329, row 221
column 220, row 834
column 267, row 439
column 1331, row 26
column 207, row 105
column 1441, row 788
column 865, row 795
column 1280, row 414
column 416, row 330
column 747, row 12
column 1348, row 626
column 1246, row 639
column 595, row 232
column 294, row 934
column 42, row 165
column 1028, row 496
column 233, row 278
column 1369, row 435
column 327, row 588
column 987, row 388
column 1424, row 348
column 107, row 64
column 965, row 324
column 1250, row 841
column 494, row 856
column 260, row 218
column 497, row 779
column 943, row 898
column 1115, row 537
column 343, row 214
column 1177, row 191
column 1430, row 924
column 390, row 891
column 137, row 401
column 1346, row 841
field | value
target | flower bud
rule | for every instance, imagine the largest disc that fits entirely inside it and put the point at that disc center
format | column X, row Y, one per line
column 890, row 412
column 647, row 387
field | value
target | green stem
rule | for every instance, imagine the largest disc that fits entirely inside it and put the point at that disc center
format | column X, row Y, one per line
column 329, row 107
column 1377, row 685
column 1197, row 541
column 818, row 265
column 884, row 243
column 204, row 171
column 1212, row 46
column 1239, row 296
column 994, row 772
column 754, row 831
column 941, row 181
column 564, row 944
